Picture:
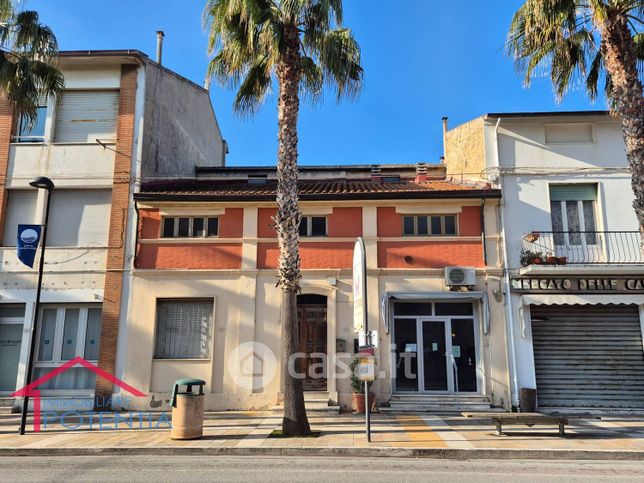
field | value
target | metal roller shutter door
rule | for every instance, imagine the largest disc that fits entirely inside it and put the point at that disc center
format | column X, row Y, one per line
column 588, row 356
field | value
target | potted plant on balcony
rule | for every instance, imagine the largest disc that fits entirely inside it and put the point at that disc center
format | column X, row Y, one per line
column 358, row 388
column 529, row 257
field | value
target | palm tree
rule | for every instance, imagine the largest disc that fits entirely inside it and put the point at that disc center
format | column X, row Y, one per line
column 584, row 40
column 302, row 46
column 28, row 51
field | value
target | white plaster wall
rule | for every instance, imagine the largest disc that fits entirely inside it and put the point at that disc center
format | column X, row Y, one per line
column 522, row 144
column 527, row 205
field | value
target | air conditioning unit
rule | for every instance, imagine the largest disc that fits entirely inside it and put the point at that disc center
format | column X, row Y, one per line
column 460, row 276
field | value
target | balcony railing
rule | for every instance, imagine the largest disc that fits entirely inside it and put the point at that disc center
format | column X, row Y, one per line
column 582, row 247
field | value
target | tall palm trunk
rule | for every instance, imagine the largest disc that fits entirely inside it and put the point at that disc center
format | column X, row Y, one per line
column 621, row 63
column 287, row 221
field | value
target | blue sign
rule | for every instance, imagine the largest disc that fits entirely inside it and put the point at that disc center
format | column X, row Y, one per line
column 28, row 240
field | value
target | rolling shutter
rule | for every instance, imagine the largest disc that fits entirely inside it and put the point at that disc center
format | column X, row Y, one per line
column 79, row 218
column 588, row 356
column 21, row 209
column 85, row 116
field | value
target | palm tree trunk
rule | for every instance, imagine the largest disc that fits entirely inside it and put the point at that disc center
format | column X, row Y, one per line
column 287, row 221
column 621, row 63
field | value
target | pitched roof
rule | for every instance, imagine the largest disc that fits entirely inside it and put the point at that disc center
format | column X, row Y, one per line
column 310, row 190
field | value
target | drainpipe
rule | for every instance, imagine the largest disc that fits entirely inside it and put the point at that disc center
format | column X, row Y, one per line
column 509, row 312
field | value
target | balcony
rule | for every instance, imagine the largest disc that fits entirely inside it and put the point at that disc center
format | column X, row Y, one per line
column 582, row 248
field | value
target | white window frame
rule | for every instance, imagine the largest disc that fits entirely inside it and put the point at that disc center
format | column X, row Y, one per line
column 429, row 225
column 175, row 229
column 18, row 139
column 582, row 222
column 309, row 225
column 56, row 359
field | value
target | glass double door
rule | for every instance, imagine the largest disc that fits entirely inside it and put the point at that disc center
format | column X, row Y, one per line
column 434, row 355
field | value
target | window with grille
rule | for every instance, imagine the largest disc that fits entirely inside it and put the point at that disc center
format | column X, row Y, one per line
column 424, row 225
column 190, row 227
column 183, row 329
column 313, row 226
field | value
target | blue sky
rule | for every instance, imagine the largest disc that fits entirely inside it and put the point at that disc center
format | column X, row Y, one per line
column 423, row 59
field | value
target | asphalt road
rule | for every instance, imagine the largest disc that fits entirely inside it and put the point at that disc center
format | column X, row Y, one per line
column 314, row 469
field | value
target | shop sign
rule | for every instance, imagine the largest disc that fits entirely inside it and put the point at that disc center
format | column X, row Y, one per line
column 627, row 285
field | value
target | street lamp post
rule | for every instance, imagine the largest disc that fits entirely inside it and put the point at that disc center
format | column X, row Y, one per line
column 42, row 183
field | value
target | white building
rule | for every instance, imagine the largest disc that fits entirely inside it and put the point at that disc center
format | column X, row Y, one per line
column 121, row 118
column 574, row 284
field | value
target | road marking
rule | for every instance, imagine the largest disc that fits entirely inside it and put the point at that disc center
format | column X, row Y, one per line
column 450, row 435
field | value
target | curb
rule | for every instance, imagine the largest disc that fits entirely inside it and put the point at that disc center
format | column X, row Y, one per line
column 437, row 453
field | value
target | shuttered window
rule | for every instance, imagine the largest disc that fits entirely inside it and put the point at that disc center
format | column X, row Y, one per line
column 21, row 209
column 183, row 329
column 85, row 116
column 79, row 218
column 573, row 192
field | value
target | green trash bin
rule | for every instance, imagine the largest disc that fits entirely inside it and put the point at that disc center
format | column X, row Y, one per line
column 187, row 409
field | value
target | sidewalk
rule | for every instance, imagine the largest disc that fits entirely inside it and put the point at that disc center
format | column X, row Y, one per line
column 392, row 435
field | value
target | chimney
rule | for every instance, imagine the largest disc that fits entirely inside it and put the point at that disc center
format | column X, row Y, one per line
column 444, row 136
column 376, row 173
column 206, row 83
column 421, row 172
column 160, row 36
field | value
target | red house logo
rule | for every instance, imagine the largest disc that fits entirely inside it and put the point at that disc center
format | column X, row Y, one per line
column 31, row 389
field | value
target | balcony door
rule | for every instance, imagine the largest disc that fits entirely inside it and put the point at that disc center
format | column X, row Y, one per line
column 573, row 214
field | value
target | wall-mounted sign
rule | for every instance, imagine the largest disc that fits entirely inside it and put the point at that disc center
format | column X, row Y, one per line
column 579, row 284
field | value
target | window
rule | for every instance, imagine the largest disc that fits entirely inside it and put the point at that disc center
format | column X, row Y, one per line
column 21, row 209
column 257, row 179
column 183, row 329
column 313, row 226
column 79, row 218
column 572, row 211
column 66, row 332
column 190, row 227
column 85, row 116
column 569, row 132
column 27, row 131
column 423, row 225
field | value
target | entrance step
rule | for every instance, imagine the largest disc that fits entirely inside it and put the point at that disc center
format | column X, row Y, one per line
column 8, row 405
column 315, row 402
column 437, row 403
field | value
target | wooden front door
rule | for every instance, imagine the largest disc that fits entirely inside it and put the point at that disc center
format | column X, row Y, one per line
column 312, row 327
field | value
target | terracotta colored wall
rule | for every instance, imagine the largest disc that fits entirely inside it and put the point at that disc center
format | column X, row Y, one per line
column 469, row 221
column 149, row 224
column 436, row 254
column 265, row 223
column 230, row 223
column 343, row 222
column 313, row 255
column 191, row 256
column 389, row 222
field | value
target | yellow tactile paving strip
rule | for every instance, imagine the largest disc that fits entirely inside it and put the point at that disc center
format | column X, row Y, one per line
column 419, row 433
